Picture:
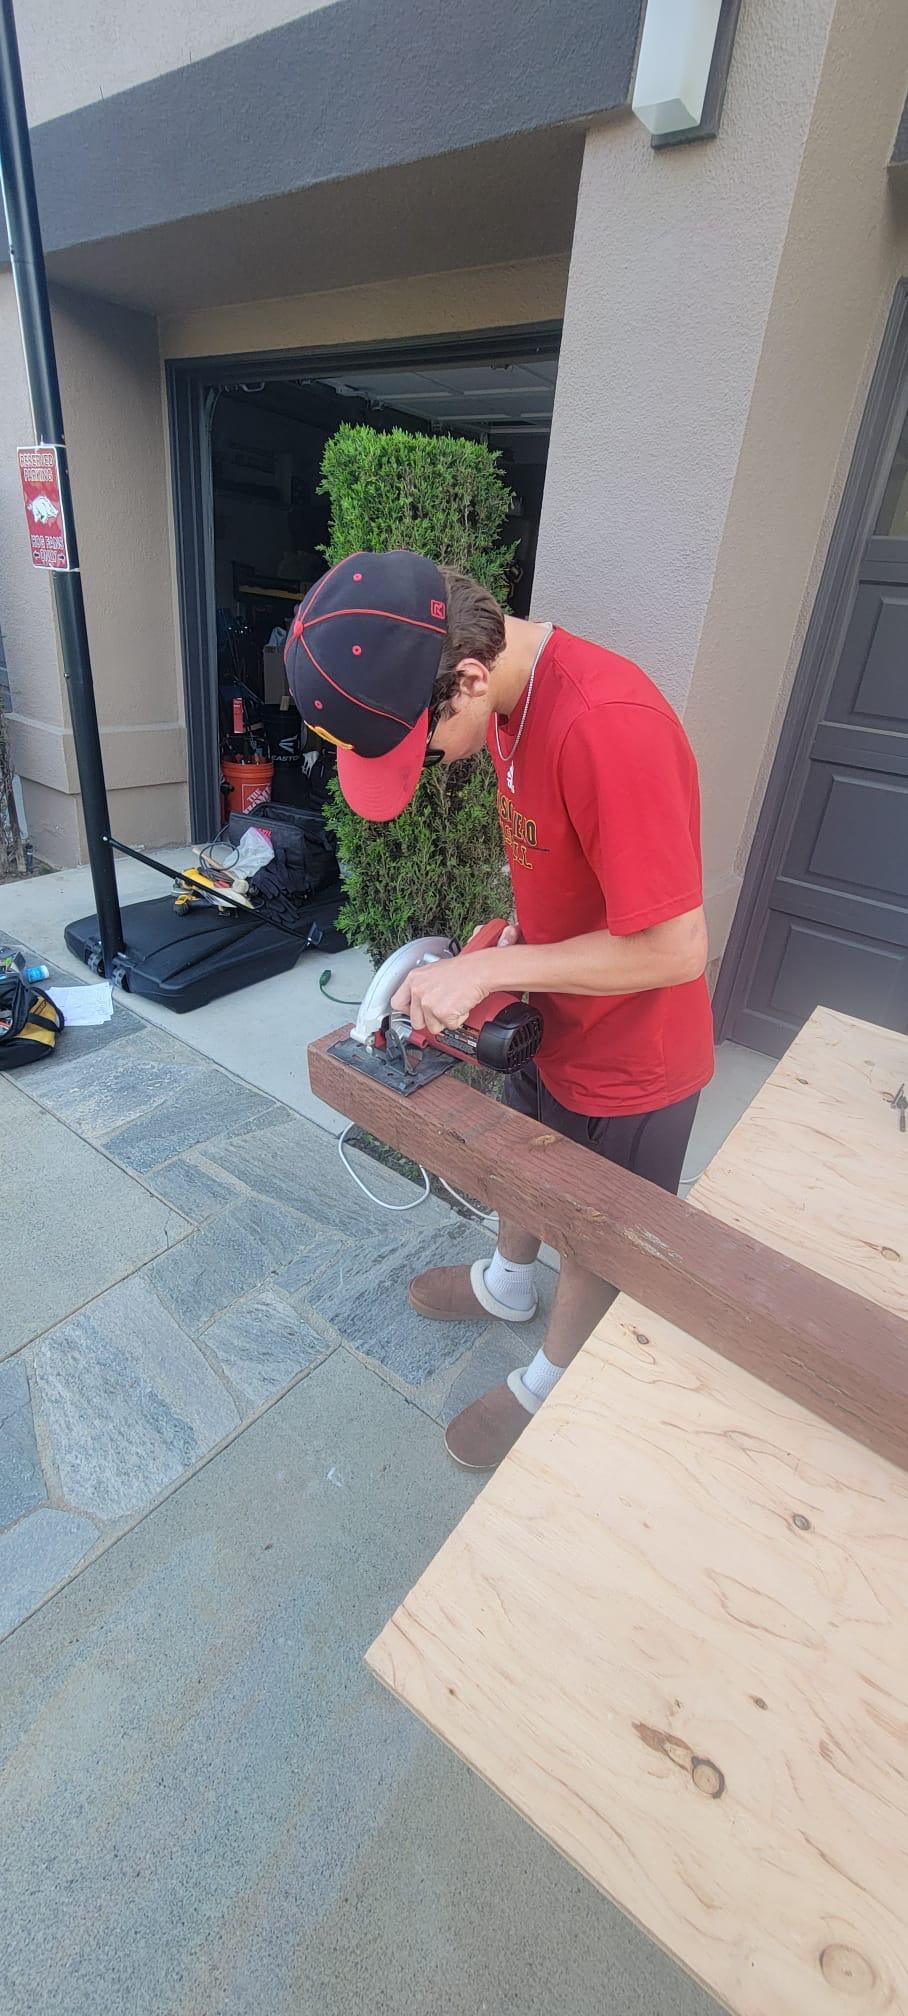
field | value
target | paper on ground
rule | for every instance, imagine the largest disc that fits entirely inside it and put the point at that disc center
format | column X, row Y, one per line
column 82, row 1007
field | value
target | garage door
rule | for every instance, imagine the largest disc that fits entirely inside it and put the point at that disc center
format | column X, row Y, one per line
column 832, row 922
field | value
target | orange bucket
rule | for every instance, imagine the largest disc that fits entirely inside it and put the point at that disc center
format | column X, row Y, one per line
column 246, row 785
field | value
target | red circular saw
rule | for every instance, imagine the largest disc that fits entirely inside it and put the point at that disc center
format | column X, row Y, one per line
column 502, row 1033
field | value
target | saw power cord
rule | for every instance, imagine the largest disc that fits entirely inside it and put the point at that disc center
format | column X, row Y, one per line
column 485, row 1217
column 323, row 988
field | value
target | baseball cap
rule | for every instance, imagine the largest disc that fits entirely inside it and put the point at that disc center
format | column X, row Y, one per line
column 362, row 658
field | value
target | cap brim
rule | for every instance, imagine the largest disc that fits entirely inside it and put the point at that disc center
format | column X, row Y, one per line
column 381, row 787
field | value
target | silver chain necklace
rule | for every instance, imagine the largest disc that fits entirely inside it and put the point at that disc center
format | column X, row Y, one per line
column 509, row 776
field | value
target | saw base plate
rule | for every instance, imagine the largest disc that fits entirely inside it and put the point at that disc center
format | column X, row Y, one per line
column 383, row 1070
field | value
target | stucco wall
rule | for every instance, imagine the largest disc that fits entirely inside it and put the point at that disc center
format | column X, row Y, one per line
column 99, row 47
column 723, row 308
column 25, row 595
column 433, row 304
column 674, row 260
column 846, row 246
column 110, row 381
column 26, row 610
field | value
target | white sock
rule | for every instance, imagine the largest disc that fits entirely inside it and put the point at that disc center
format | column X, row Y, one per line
column 510, row 1282
column 541, row 1376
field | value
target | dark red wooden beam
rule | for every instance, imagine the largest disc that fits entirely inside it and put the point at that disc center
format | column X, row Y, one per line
column 844, row 1358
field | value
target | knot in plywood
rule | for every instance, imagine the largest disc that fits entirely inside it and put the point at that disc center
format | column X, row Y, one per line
column 846, row 1971
column 705, row 1774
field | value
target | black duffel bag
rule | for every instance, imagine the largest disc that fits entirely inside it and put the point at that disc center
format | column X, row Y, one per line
column 304, row 853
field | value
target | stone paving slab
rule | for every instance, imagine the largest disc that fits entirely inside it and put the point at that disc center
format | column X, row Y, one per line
column 262, row 1344
column 210, row 1808
column 35, row 1555
column 192, row 1188
column 297, row 1164
column 231, row 1254
column 118, row 1083
column 209, row 1105
column 22, row 1484
column 71, row 1223
column 327, row 1251
column 124, row 1402
column 364, row 1297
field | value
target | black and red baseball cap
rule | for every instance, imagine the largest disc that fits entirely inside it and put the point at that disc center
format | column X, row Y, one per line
column 362, row 658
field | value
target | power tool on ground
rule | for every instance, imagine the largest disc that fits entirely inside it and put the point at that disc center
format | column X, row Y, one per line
column 502, row 1033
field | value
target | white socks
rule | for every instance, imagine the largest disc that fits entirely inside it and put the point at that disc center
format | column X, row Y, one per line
column 511, row 1284
column 535, row 1382
column 541, row 1376
column 507, row 1287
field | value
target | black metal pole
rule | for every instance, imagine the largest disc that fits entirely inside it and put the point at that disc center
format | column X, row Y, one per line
column 30, row 280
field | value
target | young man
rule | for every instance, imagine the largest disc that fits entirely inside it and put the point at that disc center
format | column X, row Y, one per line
column 402, row 664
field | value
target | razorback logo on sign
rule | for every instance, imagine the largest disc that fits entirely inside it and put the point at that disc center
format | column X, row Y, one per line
column 39, row 474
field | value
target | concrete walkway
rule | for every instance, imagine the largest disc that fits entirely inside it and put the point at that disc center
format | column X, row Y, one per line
column 209, row 1808
column 180, row 1250
column 220, row 1468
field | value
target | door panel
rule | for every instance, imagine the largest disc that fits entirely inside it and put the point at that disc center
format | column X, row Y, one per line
column 865, row 915
column 870, row 685
column 805, row 965
column 851, row 835
column 834, row 924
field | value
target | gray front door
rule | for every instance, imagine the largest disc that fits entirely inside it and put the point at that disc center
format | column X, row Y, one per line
column 832, row 926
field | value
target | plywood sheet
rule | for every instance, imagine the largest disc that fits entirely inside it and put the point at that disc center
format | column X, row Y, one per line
column 673, row 1629
column 818, row 1166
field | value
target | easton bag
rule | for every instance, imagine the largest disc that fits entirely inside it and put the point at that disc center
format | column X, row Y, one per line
column 304, row 853
column 30, row 1022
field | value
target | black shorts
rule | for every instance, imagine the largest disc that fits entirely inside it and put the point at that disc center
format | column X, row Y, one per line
column 652, row 1145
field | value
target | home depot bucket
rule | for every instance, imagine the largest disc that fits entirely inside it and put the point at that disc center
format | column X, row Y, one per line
column 246, row 785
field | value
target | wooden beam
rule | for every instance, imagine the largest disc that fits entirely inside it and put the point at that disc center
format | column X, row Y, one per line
column 843, row 1357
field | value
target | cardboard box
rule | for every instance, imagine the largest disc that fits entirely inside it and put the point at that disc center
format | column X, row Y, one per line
column 274, row 678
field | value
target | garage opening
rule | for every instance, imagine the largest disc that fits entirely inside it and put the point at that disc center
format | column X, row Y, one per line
column 248, row 437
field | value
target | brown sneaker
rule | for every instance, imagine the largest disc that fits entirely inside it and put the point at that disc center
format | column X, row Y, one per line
column 481, row 1436
column 459, row 1295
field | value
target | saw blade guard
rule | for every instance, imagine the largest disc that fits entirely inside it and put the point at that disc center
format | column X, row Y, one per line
column 375, row 1006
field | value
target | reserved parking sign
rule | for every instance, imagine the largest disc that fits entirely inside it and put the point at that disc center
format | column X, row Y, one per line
column 39, row 473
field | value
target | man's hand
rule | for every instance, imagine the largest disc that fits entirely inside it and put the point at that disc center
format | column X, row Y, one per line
column 436, row 999
column 441, row 996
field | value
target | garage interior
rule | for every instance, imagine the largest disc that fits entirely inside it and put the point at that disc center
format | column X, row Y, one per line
column 270, row 523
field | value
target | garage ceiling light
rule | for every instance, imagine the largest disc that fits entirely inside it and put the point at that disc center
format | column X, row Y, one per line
column 676, row 53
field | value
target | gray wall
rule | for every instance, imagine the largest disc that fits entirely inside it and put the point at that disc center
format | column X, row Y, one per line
column 345, row 90
column 99, row 49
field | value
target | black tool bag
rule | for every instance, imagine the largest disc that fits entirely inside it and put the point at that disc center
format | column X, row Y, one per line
column 305, row 860
column 30, row 1023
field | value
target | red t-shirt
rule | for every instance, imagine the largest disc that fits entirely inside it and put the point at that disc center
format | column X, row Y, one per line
column 601, row 822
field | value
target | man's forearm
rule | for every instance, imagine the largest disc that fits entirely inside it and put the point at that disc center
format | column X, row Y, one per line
column 599, row 963
column 442, row 995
